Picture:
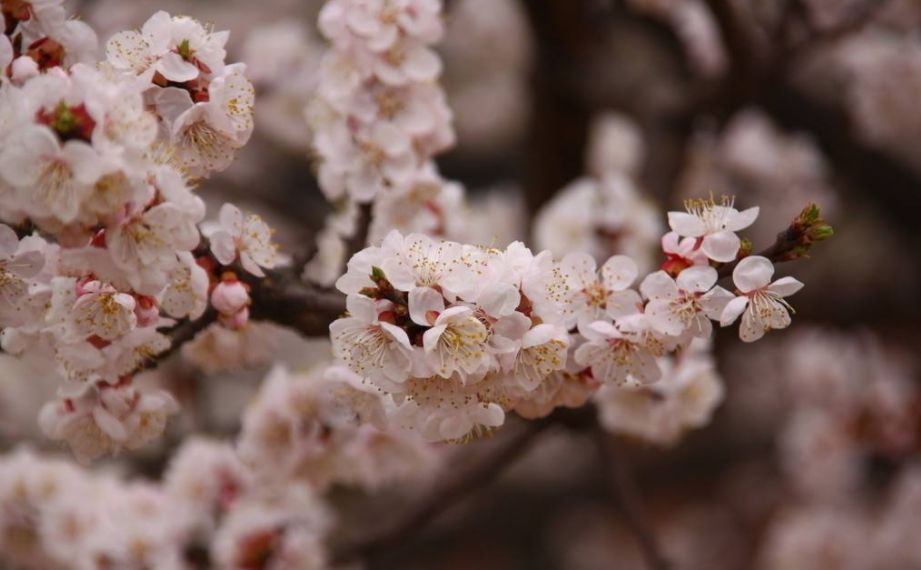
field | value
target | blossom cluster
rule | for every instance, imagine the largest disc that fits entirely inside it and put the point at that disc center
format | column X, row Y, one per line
column 459, row 335
column 102, row 249
column 207, row 507
column 377, row 118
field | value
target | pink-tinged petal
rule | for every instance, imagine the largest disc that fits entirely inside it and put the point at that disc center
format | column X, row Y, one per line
column 619, row 272
column 659, row 285
column 697, row 279
column 663, row 319
column 23, row 158
column 361, row 308
column 670, row 242
column 623, row 303
column 109, row 424
column 27, row 264
column 421, row 64
column 785, row 286
column 714, row 302
column 721, row 246
column 701, row 327
column 223, row 247
column 753, row 273
column 8, row 242
column 512, row 327
column 732, row 310
column 425, row 304
column 741, row 220
column 751, row 328
column 686, row 225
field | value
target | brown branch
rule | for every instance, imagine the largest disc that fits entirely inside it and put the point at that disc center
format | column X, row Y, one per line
column 448, row 492
column 623, row 488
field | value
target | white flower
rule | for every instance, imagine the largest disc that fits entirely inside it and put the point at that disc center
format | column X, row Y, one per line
column 618, row 354
column 107, row 419
column 587, row 295
column 456, row 343
column 206, row 135
column 529, row 354
column 686, row 304
column 54, row 179
column 420, row 261
column 761, row 303
column 178, row 48
column 187, row 292
column 102, row 311
column 715, row 225
column 16, row 268
column 248, row 237
column 369, row 346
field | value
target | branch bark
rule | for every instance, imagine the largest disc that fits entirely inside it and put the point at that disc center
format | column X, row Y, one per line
column 625, row 494
column 457, row 486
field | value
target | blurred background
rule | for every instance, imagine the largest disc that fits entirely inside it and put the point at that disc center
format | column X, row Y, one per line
column 811, row 460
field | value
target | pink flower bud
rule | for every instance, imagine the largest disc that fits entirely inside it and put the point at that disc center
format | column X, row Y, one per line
column 229, row 297
column 235, row 321
column 146, row 310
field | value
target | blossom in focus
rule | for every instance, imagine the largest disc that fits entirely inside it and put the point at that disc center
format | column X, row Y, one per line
column 760, row 301
column 714, row 225
column 247, row 237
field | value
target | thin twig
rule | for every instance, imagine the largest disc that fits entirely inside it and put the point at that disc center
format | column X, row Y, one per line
column 453, row 489
column 779, row 251
column 623, row 487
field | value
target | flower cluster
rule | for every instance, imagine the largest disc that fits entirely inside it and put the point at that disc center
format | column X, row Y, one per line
column 36, row 35
column 326, row 427
column 206, row 505
column 103, row 248
column 378, row 117
column 459, row 335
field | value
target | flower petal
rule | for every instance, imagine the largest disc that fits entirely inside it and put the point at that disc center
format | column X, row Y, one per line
column 721, row 246
column 753, row 273
column 785, row 286
column 741, row 220
column 697, row 279
column 423, row 301
column 732, row 310
column 619, row 272
column 686, row 225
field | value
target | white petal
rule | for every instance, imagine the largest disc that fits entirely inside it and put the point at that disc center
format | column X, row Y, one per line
column 721, row 246
column 751, row 328
column 785, row 286
column 686, row 225
column 697, row 279
column 619, row 272
column 752, row 273
column 174, row 68
column 659, row 285
column 361, row 308
column 579, row 268
column 623, row 303
column 732, row 310
column 422, row 302
column 663, row 319
column 714, row 302
column 223, row 247
column 742, row 220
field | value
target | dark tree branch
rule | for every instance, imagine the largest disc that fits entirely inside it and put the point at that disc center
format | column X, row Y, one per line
column 455, row 487
column 623, row 489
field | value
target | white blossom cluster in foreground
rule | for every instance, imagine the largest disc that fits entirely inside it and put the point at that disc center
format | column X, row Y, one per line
column 460, row 334
column 101, row 250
